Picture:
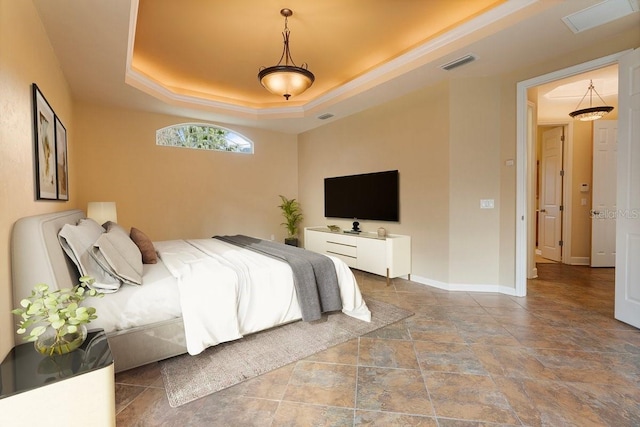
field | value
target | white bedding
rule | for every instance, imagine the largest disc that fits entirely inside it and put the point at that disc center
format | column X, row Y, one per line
column 227, row 292
column 222, row 292
column 157, row 300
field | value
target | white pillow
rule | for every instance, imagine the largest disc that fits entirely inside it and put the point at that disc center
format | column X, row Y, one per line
column 77, row 241
column 117, row 253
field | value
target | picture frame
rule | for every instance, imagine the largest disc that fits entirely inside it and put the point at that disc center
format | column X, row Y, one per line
column 62, row 169
column 50, row 142
column 45, row 150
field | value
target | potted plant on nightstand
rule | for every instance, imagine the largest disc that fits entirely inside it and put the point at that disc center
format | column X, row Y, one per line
column 293, row 215
column 57, row 318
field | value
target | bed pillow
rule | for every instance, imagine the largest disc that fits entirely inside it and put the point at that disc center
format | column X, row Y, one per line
column 116, row 252
column 77, row 241
column 149, row 255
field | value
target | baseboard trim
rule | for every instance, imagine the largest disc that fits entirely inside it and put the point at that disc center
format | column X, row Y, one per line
column 580, row 260
column 464, row 287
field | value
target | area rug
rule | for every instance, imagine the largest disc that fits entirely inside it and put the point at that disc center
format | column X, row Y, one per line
column 187, row 378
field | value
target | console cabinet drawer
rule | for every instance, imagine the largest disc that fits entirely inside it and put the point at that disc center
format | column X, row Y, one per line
column 342, row 239
column 350, row 261
column 341, row 249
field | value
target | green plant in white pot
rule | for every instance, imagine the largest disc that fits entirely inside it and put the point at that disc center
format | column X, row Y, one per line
column 56, row 318
column 293, row 216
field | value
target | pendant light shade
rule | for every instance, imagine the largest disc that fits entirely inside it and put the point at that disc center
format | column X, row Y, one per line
column 286, row 79
column 591, row 113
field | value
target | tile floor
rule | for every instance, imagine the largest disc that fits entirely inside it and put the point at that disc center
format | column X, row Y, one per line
column 554, row 358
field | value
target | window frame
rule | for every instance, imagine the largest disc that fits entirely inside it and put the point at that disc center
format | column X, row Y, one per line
column 162, row 135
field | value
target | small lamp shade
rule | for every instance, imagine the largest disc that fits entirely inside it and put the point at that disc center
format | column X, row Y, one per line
column 102, row 212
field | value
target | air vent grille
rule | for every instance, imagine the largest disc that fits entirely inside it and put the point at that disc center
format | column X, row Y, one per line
column 458, row 62
column 600, row 14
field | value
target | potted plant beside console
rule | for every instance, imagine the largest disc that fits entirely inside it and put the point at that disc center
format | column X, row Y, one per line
column 293, row 216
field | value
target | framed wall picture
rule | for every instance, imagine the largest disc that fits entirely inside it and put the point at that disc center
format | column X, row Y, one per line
column 45, row 155
column 62, row 172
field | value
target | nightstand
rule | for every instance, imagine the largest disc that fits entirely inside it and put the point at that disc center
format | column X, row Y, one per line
column 72, row 389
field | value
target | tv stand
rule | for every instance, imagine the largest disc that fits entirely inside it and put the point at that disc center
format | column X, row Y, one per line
column 388, row 256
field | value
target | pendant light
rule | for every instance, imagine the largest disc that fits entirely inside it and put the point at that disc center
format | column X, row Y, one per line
column 591, row 113
column 286, row 79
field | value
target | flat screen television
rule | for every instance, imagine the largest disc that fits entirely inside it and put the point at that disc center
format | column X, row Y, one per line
column 372, row 196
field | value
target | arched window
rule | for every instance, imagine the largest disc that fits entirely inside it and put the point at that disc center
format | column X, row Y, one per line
column 203, row 137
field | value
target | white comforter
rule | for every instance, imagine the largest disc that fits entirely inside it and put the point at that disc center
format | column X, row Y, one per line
column 227, row 292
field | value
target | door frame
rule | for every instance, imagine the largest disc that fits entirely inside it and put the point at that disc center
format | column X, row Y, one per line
column 525, row 212
column 567, row 182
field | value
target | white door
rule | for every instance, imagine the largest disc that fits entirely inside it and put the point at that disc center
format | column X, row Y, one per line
column 627, row 305
column 603, row 206
column 550, row 215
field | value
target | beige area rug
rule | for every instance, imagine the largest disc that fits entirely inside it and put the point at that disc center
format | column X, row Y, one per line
column 187, row 378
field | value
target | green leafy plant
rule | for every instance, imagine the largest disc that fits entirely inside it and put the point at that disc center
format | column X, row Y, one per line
column 292, row 214
column 59, row 309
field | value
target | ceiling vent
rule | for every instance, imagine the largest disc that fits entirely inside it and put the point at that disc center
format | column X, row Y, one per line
column 600, row 14
column 325, row 116
column 458, row 62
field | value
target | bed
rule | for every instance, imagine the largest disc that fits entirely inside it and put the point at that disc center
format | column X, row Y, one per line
column 169, row 311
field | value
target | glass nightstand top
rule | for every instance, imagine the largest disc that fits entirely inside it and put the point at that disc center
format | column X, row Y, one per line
column 25, row 369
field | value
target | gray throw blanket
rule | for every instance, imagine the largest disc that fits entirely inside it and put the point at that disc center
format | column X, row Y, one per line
column 314, row 275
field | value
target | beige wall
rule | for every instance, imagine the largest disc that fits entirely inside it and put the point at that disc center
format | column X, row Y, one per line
column 508, row 177
column 581, row 172
column 410, row 134
column 474, row 174
column 25, row 57
column 445, row 141
column 172, row 193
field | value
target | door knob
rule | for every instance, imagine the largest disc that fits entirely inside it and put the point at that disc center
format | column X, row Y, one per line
column 543, row 210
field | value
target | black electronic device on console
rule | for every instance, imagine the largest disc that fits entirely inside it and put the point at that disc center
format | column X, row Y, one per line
column 370, row 196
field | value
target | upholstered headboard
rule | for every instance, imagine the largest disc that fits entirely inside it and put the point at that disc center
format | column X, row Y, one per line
column 36, row 254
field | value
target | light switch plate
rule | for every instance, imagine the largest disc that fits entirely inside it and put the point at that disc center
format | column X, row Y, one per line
column 487, row 204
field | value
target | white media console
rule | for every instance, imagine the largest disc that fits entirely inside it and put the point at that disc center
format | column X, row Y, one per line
column 388, row 256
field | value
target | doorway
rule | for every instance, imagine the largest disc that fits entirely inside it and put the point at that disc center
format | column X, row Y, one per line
column 627, row 273
column 569, row 154
column 526, row 208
